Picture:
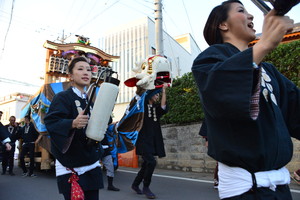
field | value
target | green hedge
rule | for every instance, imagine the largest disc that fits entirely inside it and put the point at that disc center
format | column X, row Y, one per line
column 183, row 99
column 286, row 57
column 183, row 102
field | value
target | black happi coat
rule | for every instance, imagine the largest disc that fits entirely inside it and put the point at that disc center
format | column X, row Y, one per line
column 226, row 80
column 32, row 134
column 14, row 135
column 3, row 133
column 150, row 140
column 63, row 110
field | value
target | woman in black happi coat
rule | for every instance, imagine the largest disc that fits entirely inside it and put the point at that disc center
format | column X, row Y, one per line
column 66, row 124
column 251, row 109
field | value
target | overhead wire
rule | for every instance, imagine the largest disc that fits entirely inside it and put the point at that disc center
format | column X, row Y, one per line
column 26, row 24
column 11, row 15
column 92, row 9
column 139, row 2
column 188, row 17
column 61, row 35
column 69, row 12
column 137, row 10
column 166, row 30
column 172, row 49
column 147, row 1
column 96, row 16
column 109, row 7
column 78, row 15
column 171, row 19
column 12, row 81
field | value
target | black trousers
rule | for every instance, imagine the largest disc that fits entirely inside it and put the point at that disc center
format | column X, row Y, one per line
column 27, row 148
column 145, row 173
column 8, row 158
column 282, row 193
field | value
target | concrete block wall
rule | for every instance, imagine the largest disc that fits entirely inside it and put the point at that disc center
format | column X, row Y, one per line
column 186, row 151
column 295, row 162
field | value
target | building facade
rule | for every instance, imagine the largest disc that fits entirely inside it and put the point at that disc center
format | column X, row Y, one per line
column 12, row 104
column 134, row 42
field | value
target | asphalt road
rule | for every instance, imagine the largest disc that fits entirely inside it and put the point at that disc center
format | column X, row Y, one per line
column 166, row 184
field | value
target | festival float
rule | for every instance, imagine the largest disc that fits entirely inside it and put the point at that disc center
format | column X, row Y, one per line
column 56, row 79
column 150, row 73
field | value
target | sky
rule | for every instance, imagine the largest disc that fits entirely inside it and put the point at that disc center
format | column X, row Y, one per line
column 26, row 24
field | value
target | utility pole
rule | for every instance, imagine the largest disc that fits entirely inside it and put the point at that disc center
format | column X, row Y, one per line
column 158, row 28
column 63, row 37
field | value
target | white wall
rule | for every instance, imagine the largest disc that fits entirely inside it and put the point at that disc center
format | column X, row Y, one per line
column 12, row 105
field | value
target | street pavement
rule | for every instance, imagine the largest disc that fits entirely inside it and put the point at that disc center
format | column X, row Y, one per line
column 166, row 184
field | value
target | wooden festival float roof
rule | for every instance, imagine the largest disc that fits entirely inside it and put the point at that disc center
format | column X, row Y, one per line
column 81, row 47
column 293, row 36
column 58, row 56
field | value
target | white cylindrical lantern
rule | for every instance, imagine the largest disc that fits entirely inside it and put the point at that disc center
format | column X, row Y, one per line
column 102, row 110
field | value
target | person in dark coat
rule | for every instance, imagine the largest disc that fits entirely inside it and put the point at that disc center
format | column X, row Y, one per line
column 77, row 159
column 29, row 135
column 251, row 110
column 8, row 156
column 150, row 141
column 1, row 113
column 4, row 138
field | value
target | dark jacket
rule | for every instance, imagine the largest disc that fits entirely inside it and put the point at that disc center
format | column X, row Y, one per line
column 150, row 140
column 69, row 145
column 226, row 80
column 15, row 133
column 28, row 133
column 3, row 133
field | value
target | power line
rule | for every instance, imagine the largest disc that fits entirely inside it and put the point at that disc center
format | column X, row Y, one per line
column 188, row 17
column 170, row 18
column 74, row 21
column 148, row 1
column 69, row 11
column 11, row 14
column 96, row 16
column 137, row 10
column 172, row 50
column 92, row 9
column 139, row 2
column 11, row 81
column 32, row 26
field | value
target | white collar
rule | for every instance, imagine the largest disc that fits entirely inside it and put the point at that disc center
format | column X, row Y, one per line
column 79, row 93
